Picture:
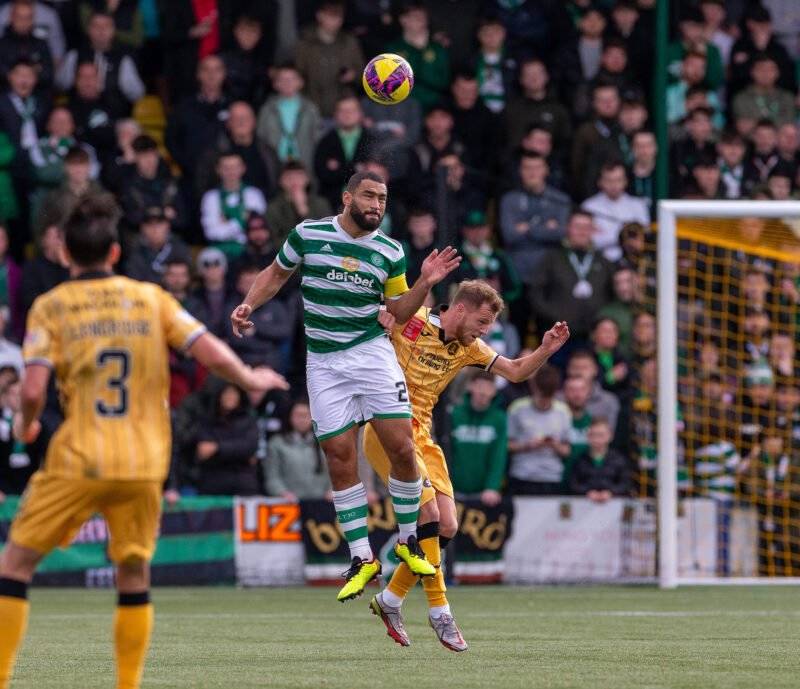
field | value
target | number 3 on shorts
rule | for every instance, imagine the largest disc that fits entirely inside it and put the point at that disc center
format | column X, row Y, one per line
column 402, row 391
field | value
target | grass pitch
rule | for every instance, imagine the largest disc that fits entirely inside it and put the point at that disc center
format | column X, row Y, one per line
column 532, row 638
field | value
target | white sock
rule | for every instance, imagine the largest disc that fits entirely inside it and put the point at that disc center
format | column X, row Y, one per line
column 351, row 511
column 405, row 500
column 437, row 611
column 392, row 600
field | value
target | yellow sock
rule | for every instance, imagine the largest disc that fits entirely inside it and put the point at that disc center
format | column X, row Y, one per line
column 133, row 624
column 434, row 586
column 402, row 580
column 14, row 616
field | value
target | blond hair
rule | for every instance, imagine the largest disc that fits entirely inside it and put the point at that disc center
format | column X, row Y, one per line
column 476, row 293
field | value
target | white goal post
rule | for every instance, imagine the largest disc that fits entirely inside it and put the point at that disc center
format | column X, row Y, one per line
column 667, row 309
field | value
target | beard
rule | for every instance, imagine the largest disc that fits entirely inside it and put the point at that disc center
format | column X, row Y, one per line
column 366, row 223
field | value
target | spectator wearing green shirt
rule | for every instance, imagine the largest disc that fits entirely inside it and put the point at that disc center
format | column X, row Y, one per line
column 576, row 392
column 479, row 442
column 621, row 309
column 430, row 61
column 692, row 39
column 484, row 261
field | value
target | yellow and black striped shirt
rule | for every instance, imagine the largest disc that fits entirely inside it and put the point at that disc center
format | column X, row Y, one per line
column 106, row 338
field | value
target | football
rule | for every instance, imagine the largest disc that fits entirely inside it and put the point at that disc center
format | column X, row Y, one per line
column 388, row 79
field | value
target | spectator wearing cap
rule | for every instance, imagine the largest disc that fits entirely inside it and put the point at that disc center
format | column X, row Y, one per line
column 19, row 41
column 239, row 137
column 289, row 122
column 342, row 149
column 597, row 140
column 763, row 99
column 429, row 60
column 731, row 150
column 474, row 123
column 154, row 247
column 209, row 301
column 119, row 76
column 268, row 342
column 693, row 39
column 22, row 111
column 259, row 249
column 483, row 261
column 764, row 155
column 573, row 281
column 495, row 69
column 536, row 104
column 758, row 38
column 533, row 217
column 328, row 57
column 612, row 207
column 150, row 185
column 294, row 202
column 224, row 210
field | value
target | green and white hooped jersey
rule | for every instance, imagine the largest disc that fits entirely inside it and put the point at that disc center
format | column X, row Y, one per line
column 343, row 281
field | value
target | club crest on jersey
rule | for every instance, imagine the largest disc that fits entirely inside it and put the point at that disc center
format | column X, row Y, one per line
column 452, row 348
column 376, row 260
column 350, row 264
column 413, row 329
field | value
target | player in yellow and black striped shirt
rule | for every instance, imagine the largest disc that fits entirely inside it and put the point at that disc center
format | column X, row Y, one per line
column 432, row 348
column 106, row 339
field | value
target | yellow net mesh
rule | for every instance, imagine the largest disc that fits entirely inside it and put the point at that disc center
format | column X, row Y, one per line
column 739, row 385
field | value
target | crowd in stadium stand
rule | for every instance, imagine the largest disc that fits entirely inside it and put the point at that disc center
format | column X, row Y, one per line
column 527, row 142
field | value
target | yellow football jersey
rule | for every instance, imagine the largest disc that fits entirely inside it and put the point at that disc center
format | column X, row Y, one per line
column 430, row 363
column 106, row 339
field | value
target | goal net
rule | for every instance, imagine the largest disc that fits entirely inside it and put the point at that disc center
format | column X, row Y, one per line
column 716, row 414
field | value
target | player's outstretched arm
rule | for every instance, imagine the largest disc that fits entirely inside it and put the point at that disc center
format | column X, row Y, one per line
column 220, row 359
column 517, row 370
column 435, row 268
column 266, row 286
column 32, row 399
